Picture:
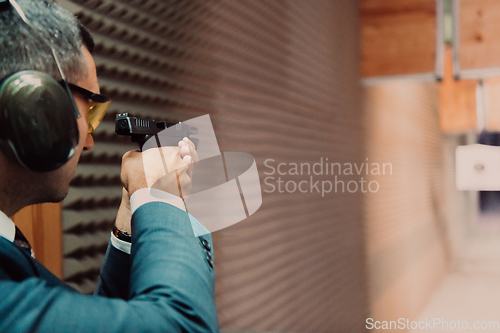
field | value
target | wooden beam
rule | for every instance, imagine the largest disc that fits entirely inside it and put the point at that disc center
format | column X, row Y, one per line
column 398, row 37
column 479, row 45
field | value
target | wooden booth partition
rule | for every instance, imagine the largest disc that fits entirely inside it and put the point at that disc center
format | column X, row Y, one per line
column 41, row 225
column 492, row 103
column 457, row 100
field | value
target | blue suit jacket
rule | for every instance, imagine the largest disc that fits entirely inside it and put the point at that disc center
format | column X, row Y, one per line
column 165, row 285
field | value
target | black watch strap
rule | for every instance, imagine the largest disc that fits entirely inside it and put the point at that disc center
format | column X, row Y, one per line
column 122, row 235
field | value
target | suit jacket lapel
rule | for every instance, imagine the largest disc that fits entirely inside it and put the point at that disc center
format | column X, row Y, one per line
column 17, row 264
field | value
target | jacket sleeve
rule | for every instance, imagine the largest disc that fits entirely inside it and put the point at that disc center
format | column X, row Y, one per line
column 115, row 274
column 171, row 287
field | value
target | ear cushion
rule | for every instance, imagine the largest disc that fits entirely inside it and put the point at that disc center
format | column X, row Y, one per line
column 38, row 120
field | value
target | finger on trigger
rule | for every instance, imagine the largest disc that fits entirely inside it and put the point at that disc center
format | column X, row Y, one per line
column 185, row 151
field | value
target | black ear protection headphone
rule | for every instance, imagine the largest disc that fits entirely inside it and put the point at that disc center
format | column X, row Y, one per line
column 38, row 115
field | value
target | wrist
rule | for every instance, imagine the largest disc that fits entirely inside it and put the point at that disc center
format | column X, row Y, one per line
column 123, row 224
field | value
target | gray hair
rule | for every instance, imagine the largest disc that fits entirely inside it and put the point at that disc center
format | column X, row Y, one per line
column 22, row 49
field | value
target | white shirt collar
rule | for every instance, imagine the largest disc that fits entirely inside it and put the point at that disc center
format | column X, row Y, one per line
column 7, row 227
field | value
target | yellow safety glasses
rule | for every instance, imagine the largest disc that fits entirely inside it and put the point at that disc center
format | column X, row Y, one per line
column 97, row 108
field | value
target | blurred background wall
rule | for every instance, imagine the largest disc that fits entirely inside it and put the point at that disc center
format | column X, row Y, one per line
column 406, row 232
column 280, row 81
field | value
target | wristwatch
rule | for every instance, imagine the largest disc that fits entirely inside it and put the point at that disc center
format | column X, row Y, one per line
column 122, row 235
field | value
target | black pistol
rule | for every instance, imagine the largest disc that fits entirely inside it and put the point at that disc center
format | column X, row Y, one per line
column 141, row 129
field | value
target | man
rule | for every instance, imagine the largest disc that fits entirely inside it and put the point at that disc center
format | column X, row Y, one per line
column 166, row 282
